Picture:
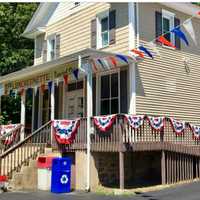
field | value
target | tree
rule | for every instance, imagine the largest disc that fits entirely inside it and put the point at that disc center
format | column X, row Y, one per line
column 16, row 52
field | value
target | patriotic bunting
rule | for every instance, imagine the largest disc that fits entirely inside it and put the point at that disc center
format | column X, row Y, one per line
column 104, row 123
column 164, row 41
column 65, row 130
column 50, row 85
column 196, row 131
column 146, row 51
column 113, row 61
column 157, row 123
column 134, row 121
column 101, row 63
column 121, row 57
column 65, row 79
column 189, row 28
column 137, row 52
column 75, row 73
column 181, row 35
column 178, row 126
column 42, row 88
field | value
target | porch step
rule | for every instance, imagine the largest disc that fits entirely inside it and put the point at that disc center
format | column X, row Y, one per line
column 26, row 179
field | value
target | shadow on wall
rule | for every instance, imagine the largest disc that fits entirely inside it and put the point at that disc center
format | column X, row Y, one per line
column 141, row 169
column 139, row 86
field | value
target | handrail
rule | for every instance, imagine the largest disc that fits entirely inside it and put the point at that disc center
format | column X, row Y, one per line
column 24, row 141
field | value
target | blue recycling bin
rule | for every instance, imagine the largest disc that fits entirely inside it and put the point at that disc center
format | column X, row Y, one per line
column 61, row 175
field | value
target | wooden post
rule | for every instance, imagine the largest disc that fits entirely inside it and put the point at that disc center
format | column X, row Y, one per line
column 121, row 170
column 163, row 167
column 23, row 115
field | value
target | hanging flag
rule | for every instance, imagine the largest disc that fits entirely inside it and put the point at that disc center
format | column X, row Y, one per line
column 101, row 63
column 75, row 73
column 121, row 57
column 180, row 34
column 106, row 64
column 50, row 85
column 164, row 41
column 177, row 126
column 134, row 121
column 65, row 78
column 195, row 130
column 29, row 91
column 189, row 28
column 157, row 123
column 21, row 91
column 137, row 52
column 146, row 51
column 42, row 88
column 113, row 61
column 154, row 48
column 65, row 130
column 104, row 123
column 94, row 65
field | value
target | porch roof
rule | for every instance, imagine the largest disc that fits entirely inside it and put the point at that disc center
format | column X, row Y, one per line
column 87, row 54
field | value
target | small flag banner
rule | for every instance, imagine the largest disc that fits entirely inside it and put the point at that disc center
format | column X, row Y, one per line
column 196, row 131
column 177, row 126
column 65, row 130
column 104, row 123
column 157, row 123
column 11, row 128
column 134, row 121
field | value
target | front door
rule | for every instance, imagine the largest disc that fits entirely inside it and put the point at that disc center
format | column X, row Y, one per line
column 74, row 104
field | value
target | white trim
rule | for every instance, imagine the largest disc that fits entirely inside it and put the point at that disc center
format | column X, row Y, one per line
column 133, row 33
column 49, row 38
column 23, row 115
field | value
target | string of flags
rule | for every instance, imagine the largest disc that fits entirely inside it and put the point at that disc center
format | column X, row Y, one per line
column 105, row 122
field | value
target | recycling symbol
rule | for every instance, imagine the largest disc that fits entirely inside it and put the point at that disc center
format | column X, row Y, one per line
column 64, row 179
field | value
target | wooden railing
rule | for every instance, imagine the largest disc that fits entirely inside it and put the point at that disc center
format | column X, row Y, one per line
column 10, row 139
column 20, row 154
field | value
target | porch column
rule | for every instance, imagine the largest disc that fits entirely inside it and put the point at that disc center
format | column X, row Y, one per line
column 121, row 170
column 33, row 110
column 23, row 115
column 52, row 106
column 89, row 115
column 40, row 105
column 133, row 33
column 163, row 167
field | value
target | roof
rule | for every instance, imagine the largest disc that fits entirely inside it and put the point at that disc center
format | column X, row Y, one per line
column 47, row 66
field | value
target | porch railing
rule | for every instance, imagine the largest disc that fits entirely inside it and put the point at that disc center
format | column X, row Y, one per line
column 20, row 154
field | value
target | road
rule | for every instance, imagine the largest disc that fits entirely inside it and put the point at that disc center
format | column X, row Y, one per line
column 183, row 192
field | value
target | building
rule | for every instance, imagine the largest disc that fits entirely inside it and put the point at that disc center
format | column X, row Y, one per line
column 100, row 37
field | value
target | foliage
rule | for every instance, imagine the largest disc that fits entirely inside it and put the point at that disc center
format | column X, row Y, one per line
column 16, row 52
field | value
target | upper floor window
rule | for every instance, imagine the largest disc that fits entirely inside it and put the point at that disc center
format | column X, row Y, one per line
column 167, row 25
column 51, row 48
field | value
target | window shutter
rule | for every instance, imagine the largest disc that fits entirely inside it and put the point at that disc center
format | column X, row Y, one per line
column 158, row 23
column 177, row 39
column 57, row 46
column 112, row 26
column 94, row 33
column 44, row 51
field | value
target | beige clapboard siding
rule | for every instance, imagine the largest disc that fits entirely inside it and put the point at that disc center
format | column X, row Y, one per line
column 75, row 29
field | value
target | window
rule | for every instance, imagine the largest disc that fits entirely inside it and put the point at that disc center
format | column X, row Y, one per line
column 103, row 30
column 51, row 48
column 167, row 25
column 109, row 94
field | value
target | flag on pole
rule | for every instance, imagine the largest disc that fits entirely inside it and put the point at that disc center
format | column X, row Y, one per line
column 137, row 52
column 180, row 34
column 189, row 28
column 146, row 51
column 164, row 41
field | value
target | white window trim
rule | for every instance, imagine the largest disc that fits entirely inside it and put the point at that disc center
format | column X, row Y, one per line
column 50, row 37
column 98, row 91
column 99, row 38
column 169, row 15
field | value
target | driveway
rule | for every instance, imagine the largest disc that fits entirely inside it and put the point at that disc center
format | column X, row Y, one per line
column 184, row 192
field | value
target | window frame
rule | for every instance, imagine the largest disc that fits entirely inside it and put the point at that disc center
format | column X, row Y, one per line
column 171, row 17
column 101, row 16
column 50, row 38
column 99, row 99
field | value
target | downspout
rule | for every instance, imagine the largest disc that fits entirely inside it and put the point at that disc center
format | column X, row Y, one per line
column 133, row 41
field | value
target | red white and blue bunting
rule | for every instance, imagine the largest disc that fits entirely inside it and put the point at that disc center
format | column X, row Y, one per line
column 177, row 126
column 157, row 123
column 65, row 130
column 134, row 121
column 104, row 123
column 196, row 131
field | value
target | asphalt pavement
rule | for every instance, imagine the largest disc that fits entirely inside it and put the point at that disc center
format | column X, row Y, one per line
column 181, row 192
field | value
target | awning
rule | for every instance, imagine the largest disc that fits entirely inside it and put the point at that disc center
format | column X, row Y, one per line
column 93, row 55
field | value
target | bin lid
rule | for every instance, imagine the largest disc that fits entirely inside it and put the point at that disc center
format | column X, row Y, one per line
column 44, row 162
